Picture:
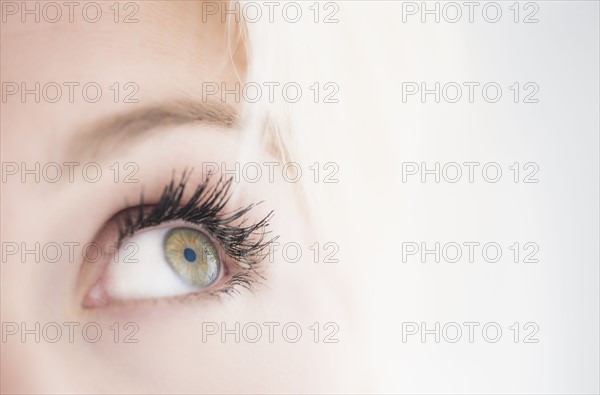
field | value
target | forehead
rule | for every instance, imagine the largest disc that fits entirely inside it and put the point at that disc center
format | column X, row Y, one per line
column 150, row 51
column 107, row 35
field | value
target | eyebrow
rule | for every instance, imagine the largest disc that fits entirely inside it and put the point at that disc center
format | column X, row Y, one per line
column 108, row 133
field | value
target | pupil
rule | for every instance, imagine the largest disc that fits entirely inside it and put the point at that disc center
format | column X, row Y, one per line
column 189, row 254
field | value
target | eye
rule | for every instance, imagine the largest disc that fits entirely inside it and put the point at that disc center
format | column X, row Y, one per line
column 160, row 262
column 178, row 247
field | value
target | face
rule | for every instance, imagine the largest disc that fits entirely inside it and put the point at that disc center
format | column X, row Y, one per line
column 125, row 267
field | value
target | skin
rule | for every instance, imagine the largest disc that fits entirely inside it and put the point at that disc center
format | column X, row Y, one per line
column 168, row 53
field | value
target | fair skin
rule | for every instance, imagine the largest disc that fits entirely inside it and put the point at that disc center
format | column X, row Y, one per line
column 168, row 54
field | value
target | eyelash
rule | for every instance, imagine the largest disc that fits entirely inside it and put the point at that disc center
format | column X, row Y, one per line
column 247, row 246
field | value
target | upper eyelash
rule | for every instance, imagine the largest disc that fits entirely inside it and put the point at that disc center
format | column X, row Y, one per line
column 246, row 245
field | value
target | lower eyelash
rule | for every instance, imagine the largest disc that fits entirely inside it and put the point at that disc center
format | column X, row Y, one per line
column 242, row 279
column 247, row 246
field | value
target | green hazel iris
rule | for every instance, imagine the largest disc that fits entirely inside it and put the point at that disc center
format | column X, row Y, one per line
column 193, row 256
